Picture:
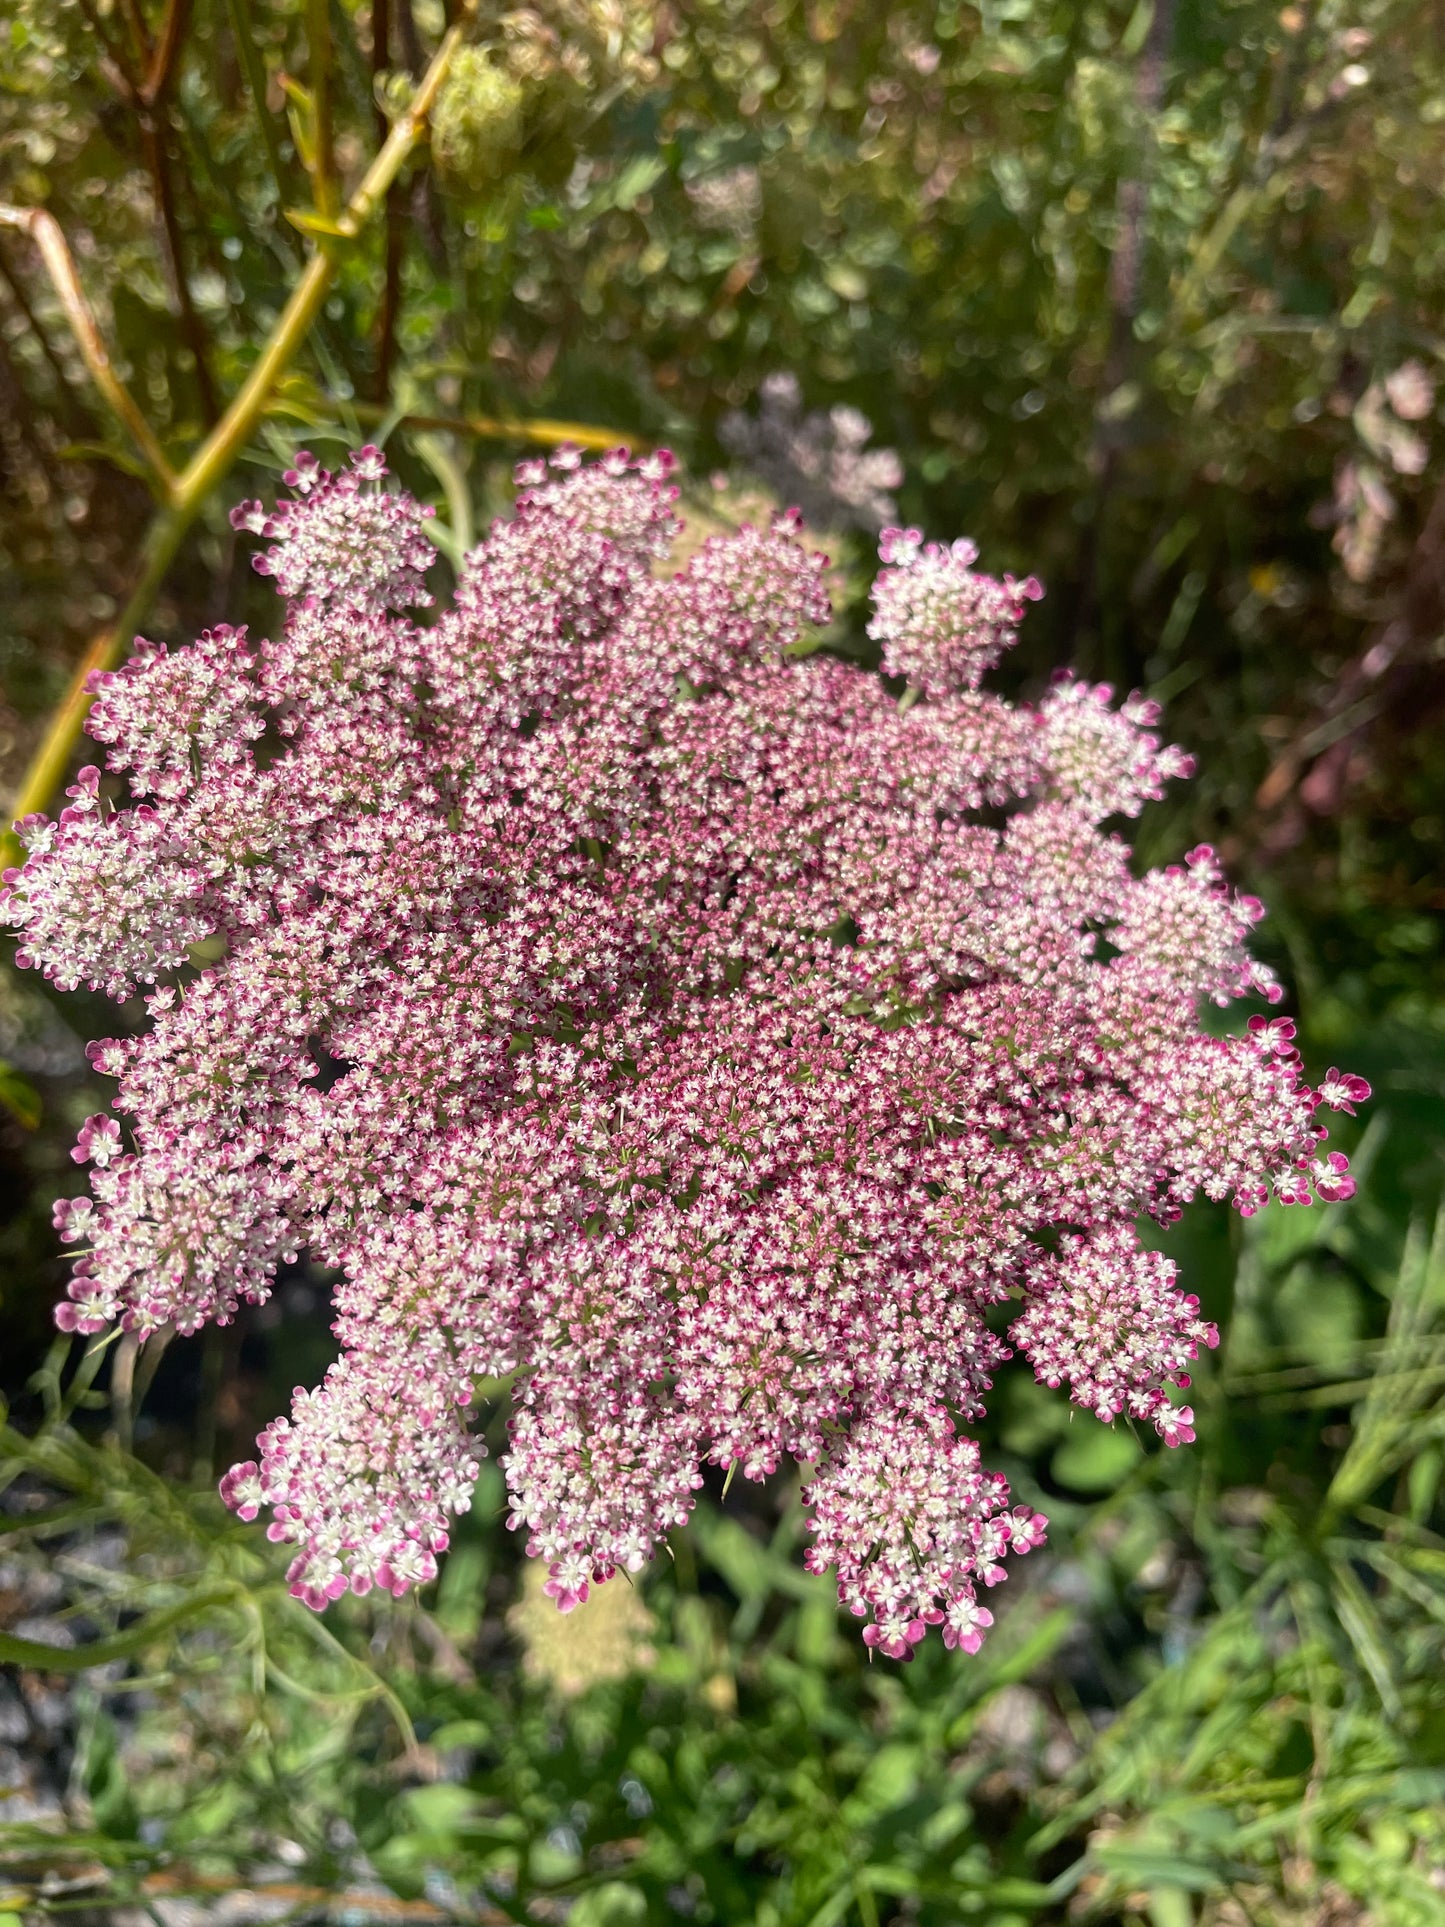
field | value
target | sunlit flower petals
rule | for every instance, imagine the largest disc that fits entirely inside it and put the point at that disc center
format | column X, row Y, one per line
column 99, row 1141
column 627, row 1002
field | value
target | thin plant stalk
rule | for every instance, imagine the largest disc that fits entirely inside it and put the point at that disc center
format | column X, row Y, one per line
column 187, row 493
column 44, row 230
column 395, row 240
column 245, row 38
column 537, row 429
column 318, row 41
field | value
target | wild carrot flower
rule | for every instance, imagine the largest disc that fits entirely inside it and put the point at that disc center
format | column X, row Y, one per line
column 696, row 1050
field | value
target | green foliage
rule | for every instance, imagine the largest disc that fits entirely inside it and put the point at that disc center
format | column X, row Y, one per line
column 22, row 1100
column 477, row 127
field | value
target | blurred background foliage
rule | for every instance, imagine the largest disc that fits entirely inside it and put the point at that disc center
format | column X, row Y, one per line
column 1147, row 296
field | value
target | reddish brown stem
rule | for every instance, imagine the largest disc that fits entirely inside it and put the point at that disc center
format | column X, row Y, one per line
column 167, row 50
column 380, row 52
column 412, row 53
column 45, row 232
column 318, row 41
column 109, row 57
column 153, row 140
column 77, row 417
column 146, row 98
column 139, row 31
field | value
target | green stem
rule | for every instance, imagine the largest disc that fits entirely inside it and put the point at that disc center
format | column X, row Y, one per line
column 221, row 448
column 51, row 760
column 436, row 452
column 502, row 428
column 39, row 1656
column 318, row 41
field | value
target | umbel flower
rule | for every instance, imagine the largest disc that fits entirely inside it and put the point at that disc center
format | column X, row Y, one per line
column 820, row 460
column 731, row 1043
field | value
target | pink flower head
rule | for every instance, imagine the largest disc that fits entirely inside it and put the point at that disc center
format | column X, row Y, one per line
column 568, row 1582
column 897, row 1636
column 1176, row 1425
column 628, row 1000
column 341, row 541
column 1275, row 1036
column 941, row 625
column 242, row 1489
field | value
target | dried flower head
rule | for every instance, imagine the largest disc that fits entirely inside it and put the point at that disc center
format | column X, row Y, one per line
column 696, row 1052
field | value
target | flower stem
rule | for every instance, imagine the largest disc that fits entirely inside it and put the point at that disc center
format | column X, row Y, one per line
column 44, row 230
column 48, row 765
column 187, row 493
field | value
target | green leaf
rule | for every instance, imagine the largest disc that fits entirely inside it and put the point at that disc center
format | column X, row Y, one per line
column 22, row 1100
column 1152, row 1867
column 846, row 280
column 40, row 1657
column 1361, row 1622
column 318, row 225
column 1096, row 1458
column 103, row 452
column 615, row 1903
column 635, row 178
column 1137, row 32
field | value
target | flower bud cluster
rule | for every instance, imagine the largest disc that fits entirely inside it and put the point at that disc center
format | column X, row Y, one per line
column 631, row 1003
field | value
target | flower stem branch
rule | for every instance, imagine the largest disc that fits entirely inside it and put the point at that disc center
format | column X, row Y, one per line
column 539, row 430
column 186, row 494
column 318, row 42
column 220, row 449
column 243, row 32
column 146, row 98
column 390, row 303
column 44, row 230
column 156, row 84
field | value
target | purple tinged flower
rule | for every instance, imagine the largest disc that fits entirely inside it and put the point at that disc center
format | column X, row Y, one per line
column 627, row 1002
column 243, row 1491
column 99, row 1141
column 342, row 542
column 567, row 1582
column 1104, row 1318
column 819, row 459
column 897, row 1636
column 1342, row 1091
column 1331, row 1178
column 1176, row 1425
column 941, row 625
column 965, row 1623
